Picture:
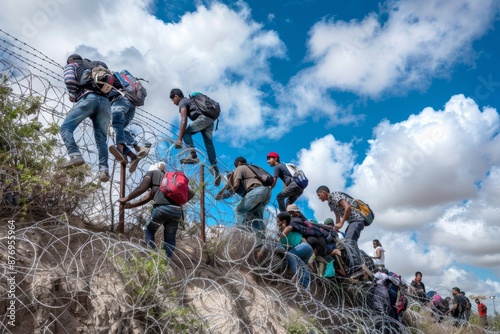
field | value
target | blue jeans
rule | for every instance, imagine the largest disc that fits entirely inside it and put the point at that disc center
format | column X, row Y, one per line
column 205, row 125
column 352, row 234
column 252, row 206
column 297, row 258
column 98, row 109
column 292, row 192
column 169, row 216
column 123, row 112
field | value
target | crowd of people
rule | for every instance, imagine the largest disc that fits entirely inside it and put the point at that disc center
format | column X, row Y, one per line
column 307, row 246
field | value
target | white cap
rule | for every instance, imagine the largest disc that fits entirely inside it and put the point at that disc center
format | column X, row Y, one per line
column 158, row 166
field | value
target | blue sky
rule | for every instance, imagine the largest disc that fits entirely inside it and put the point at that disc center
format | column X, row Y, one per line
column 395, row 102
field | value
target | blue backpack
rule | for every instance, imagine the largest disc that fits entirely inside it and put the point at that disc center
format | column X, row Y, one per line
column 298, row 175
column 132, row 87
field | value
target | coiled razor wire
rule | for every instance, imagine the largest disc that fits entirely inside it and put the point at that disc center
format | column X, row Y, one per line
column 72, row 280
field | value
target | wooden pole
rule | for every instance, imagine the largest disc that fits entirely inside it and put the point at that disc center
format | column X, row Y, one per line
column 121, row 217
column 202, row 202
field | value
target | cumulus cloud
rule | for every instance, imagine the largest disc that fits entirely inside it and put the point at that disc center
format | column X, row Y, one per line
column 432, row 181
column 417, row 41
column 219, row 50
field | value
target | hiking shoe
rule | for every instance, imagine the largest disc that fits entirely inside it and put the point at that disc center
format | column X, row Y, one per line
column 190, row 161
column 104, row 176
column 118, row 155
column 143, row 152
column 74, row 161
column 133, row 164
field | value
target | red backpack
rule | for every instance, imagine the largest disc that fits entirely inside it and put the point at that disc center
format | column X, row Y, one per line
column 175, row 185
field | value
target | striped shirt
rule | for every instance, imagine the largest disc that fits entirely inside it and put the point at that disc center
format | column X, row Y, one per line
column 71, row 81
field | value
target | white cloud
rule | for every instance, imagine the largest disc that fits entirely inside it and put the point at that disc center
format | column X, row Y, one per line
column 417, row 41
column 214, row 49
column 217, row 48
column 432, row 181
column 430, row 159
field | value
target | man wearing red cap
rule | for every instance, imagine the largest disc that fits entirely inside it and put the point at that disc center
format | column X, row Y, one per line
column 292, row 190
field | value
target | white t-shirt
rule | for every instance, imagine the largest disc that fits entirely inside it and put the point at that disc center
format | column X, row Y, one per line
column 382, row 256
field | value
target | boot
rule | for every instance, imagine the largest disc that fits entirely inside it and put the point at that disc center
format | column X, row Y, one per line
column 217, row 176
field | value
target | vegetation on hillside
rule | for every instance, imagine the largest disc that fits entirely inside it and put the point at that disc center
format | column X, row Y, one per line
column 31, row 184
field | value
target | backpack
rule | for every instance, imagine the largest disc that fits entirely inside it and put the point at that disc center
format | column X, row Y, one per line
column 175, row 185
column 401, row 302
column 308, row 229
column 262, row 175
column 95, row 75
column 462, row 304
column 364, row 209
column 436, row 299
column 207, row 106
column 468, row 305
column 132, row 87
column 297, row 175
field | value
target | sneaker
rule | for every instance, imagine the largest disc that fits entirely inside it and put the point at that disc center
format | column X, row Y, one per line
column 190, row 161
column 104, row 175
column 143, row 152
column 133, row 164
column 74, row 161
column 118, row 155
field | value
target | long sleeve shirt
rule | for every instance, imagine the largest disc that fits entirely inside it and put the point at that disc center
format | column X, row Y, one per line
column 71, row 80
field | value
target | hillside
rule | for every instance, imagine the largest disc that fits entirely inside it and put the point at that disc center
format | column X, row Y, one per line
column 73, row 280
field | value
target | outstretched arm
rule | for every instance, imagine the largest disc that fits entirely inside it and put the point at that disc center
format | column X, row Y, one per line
column 145, row 185
column 145, row 199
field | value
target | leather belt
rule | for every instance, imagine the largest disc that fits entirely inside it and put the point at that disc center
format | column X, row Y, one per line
column 255, row 185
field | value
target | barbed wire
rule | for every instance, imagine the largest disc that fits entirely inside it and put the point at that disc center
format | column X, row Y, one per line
column 70, row 280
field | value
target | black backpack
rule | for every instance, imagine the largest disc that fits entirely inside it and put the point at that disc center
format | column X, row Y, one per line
column 95, row 76
column 207, row 106
column 262, row 175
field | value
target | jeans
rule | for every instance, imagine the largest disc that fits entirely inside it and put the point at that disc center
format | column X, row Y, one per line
column 292, row 192
column 169, row 216
column 252, row 206
column 297, row 258
column 352, row 234
column 98, row 109
column 205, row 125
column 123, row 112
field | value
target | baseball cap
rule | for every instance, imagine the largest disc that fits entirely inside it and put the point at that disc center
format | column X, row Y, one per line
column 273, row 155
column 74, row 56
column 328, row 221
column 292, row 207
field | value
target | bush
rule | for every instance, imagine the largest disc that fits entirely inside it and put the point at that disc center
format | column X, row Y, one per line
column 31, row 186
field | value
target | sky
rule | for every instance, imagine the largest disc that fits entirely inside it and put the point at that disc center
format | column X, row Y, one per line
column 393, row 102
